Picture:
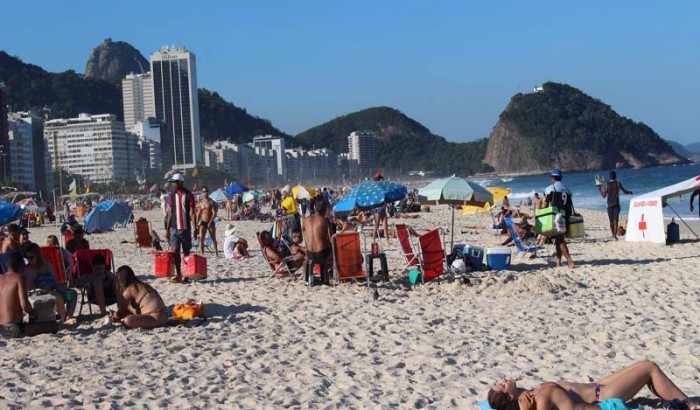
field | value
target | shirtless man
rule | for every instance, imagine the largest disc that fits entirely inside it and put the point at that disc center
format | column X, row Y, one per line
column 11, row 243
column 14, row 302
column 317, row 233
column 206, row 213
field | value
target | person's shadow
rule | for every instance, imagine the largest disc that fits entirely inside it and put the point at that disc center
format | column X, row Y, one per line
column 216, row 312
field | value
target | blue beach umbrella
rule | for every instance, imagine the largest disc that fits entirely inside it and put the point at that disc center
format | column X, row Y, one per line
column 106, row 215
column 220, row 196
column 370, row 194
column 234, row 189
column 9, row 212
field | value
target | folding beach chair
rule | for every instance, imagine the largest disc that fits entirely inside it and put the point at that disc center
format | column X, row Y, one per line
column 54, row 257
column 523, row 248
column 432, row 255
column 67, row 237
column 407, row 247
column 279, row 268
column 82, row 266
column 142, row 231
column 207, row 238
column 347, row 257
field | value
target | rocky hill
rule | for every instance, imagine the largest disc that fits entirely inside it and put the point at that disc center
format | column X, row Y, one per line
column 402, row 144
column 113, row 60
column 565, row 128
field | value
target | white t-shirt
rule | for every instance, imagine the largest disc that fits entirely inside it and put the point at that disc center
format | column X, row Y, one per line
column 164, row 203
column 230, row 246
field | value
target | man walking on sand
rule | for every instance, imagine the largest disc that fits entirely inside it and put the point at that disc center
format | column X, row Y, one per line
column 206, row 215
column 559, row 196
column 317, row 234
column 612, row 192
column 181, row 214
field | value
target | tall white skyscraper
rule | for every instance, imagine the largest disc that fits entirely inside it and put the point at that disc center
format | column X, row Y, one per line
column 361, row 150
column 174, row 72
column 137, row 97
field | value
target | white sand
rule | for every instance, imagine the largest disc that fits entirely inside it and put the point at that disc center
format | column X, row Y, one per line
column 276, row 344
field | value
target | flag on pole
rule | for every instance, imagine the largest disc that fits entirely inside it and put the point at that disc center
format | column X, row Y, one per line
column 73, row 188
column 195, row 172
column 87, row 184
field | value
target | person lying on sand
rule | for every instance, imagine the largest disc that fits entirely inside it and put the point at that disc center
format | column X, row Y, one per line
column 140, row 306
column 609, row 393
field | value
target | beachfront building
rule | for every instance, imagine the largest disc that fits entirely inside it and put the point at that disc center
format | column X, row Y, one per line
column 267, row 144
column 148, row 141
column 94, row 146
column 137, row 98
column 174, row 76
column 4, row 146
column 237, row 160
column 29, row 160
column 311, row 165
column 361, row 149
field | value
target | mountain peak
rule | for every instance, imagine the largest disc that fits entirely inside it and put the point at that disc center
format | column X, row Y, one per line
column 113, row 60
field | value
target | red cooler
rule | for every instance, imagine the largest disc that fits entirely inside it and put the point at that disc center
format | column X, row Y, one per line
column 194, row 266
column 163, row 265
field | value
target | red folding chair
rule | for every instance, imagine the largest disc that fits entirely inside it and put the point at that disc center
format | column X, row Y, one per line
column 142, row 231
column 280, row 267
column 406, row 246
column 347, row 257
column 82, row 266
column 432, row 255
column 67, row 237
column 54, row 257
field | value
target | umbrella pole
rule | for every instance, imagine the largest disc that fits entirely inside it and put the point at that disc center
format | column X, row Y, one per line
column 452, row 241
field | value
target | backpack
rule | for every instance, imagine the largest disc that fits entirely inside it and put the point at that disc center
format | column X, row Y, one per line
column 563, row 201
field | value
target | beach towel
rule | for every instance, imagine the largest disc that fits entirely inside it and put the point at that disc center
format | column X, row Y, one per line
column 189, row 310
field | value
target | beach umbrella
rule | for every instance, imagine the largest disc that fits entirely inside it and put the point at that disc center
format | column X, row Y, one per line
column 498, row 193
column 106, row 215
column 234, row 189
column 303, row 192
column 220, row 196
column 9, row 212
column 371, row 194
column 455, row 191
column 250, row 195
column 30, row 205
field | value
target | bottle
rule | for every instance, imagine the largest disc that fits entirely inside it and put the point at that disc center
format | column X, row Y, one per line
column 375, row 248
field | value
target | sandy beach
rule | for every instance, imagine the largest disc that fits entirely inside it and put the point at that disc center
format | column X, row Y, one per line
column 276, row 344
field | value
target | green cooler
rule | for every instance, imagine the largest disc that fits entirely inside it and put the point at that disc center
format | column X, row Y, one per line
column 544, row 221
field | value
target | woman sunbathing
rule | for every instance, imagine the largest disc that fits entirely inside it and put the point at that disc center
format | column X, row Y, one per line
column 607, row 394
column 140, row 306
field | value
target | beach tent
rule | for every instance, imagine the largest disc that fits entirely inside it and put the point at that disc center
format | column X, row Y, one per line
column 645, row 221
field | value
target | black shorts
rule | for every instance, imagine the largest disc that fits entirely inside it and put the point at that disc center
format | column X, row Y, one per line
column 319, row 256
column 614, row 212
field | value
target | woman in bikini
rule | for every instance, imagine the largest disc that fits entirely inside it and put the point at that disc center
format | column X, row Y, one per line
column 140, row 306
column 607, row 394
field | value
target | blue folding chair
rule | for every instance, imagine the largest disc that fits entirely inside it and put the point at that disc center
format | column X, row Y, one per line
column 528, row 246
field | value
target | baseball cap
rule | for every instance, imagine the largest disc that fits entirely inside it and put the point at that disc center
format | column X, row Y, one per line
column 556, row 172
column 176, row 177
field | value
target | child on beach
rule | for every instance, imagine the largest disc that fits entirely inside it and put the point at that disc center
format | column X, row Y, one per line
column 140, row 306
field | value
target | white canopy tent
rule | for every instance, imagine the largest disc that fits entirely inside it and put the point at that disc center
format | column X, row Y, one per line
column 645, row 221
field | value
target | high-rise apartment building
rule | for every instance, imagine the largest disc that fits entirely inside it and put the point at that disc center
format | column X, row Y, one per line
column 361, row 149
column 174, row 75
column 276, row 145
column 137, row 98
column 27, row 165
column 94, row 146
column 4, row 142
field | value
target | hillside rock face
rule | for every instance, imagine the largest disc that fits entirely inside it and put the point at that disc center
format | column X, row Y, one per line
column 565, row 128
column 113, row 60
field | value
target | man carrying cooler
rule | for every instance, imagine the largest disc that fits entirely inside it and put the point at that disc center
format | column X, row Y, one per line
column 181, row 214
column 612, row 192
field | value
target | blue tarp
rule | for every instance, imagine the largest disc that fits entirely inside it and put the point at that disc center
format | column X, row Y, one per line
column 106, row 215
column 9, row 212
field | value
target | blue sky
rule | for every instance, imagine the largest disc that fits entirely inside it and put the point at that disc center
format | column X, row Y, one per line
column 451, row 65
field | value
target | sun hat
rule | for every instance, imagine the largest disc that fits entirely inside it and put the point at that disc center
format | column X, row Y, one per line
column 556, row 172
column 230, row 230
column 176, row 177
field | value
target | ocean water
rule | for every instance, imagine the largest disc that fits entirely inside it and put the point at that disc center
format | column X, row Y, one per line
column 586, row 195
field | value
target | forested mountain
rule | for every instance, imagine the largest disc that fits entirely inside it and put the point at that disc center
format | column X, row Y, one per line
column 402, row 143
column 563, row 127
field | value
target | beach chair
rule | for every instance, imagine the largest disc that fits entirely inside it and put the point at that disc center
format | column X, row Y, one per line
column 67, row 237
column 528, row 246
column 347, row 257
column 207, row 238
column 82, row 266
column 54, row 257
column 142, row 231
column 280, row 268
column 432, row 255
column 407, row 247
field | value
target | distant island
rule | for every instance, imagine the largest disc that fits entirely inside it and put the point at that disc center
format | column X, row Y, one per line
column 554, row 126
